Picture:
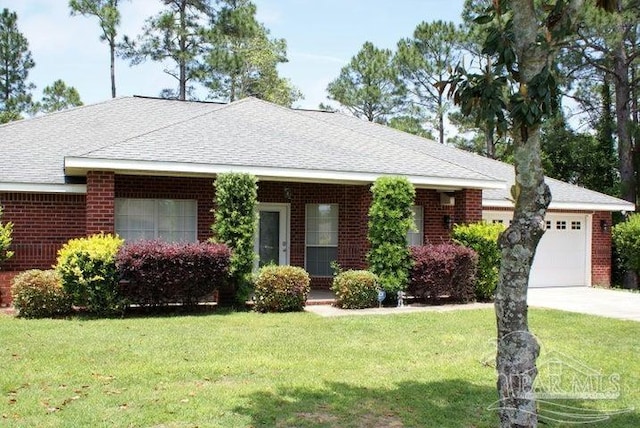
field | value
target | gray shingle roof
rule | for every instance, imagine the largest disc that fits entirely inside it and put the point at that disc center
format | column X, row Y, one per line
column 191, row 136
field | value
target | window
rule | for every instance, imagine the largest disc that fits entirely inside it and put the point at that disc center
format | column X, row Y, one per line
column 576, row 225
column 415, row 237
column 322, row 238
column 561, row 225
column 548, row 224
column 169, row 220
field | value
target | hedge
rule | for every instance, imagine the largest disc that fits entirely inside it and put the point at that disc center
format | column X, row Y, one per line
column 155, row 273
column 444, row 270
column 355, row 289
column 281, row 289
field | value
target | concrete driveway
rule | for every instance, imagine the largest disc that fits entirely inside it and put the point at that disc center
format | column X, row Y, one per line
column 594, row 301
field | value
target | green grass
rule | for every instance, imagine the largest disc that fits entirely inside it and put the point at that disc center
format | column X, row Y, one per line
column 288, row 370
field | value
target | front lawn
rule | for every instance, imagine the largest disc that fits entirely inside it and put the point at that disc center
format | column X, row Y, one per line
column 297, row 370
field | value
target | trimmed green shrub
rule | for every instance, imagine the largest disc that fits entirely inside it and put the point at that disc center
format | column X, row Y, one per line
column 483, row 239
column 39, row 294
column 156, row 273
column 87, row 268
column 235, row 225
column 281, row 289
column 6, row 229
column 355, row 289
column 443, row 270
column 626, row 238
column 390, row 219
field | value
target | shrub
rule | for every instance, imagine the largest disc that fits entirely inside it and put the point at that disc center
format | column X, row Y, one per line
column 355, row 289
column 156, row 273
column 6, row 229
column 235, row 225
column 39, row 294
column 281, row 289
column 87, row 268
column 626, row 237
column 390, row 219
column 443, row 270
column 483, row 239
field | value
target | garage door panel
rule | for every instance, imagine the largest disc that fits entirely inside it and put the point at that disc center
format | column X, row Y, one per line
column 561, row 256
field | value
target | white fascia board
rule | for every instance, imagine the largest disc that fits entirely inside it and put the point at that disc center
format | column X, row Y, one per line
column 576, row 206
column 43, row 188
column 77, row 165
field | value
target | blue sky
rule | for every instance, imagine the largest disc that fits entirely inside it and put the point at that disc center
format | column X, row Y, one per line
column 322, row 36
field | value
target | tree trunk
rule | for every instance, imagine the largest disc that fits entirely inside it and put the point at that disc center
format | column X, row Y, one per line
column 112, row 48
column 440, row 118
column 517, row 347
column 623, row 119
column 182, row 42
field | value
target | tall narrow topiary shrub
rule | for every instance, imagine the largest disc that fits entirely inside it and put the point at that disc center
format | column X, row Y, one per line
column 390, row 219
column 483, row 239
column 235, row 225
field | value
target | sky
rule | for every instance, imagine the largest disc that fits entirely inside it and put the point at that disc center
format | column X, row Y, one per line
column 321, row 35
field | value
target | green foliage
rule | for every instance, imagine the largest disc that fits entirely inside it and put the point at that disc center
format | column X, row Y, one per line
column 626, row 238
column 281, row 289
column 355, row 289
column 390, row 219
column 426, row 59
column 39, row 294
column 6, row 230
column 483, row 239
column 58, row 97
column 579, row 158
column 369, row 85
column 16, row 61
column 87, row 268
column 235, row 225
column 175, row 35
column 108, row 16
column 243, row 60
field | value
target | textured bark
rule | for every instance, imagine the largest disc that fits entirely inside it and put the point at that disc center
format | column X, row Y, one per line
column 517, row 348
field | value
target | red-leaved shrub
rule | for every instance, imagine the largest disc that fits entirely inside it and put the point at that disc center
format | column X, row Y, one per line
column 444, row 270
column 156, row 273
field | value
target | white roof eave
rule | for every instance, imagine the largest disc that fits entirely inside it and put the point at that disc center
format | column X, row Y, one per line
column 80, row 166
column 487, row 204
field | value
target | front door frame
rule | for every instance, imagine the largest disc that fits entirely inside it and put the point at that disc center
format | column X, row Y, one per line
column 285, row 232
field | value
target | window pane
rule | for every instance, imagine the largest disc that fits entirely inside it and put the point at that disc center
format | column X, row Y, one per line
column 166, row 219
column 415, row 237
column 321, row 238
column 319, row 260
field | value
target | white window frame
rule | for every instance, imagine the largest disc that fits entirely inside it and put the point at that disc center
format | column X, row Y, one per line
column 416, row 237
column 154, row 216
column 307, row 245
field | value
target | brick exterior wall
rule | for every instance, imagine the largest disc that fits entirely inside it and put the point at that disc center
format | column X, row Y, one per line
column 44, row 222
column 100, row 202
column 601, row 250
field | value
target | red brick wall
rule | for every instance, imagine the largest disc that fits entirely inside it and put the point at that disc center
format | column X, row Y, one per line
column 100, row 203
column 468, row 207
column 353, row 206
column 601, row 250
column 435, row 231
column 42, row 223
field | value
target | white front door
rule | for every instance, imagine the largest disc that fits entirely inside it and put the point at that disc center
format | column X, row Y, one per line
column 272, row 235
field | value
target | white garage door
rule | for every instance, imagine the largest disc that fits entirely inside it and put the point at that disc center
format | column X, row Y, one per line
column 563, row 255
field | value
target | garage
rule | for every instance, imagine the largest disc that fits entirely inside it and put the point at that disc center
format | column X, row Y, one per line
column 563, row 255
